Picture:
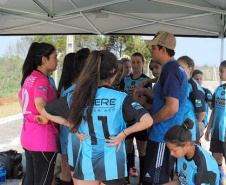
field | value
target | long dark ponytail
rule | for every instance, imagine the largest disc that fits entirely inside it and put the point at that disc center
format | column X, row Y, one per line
column 180, row 134
column 34, row 58
column 99, row 66
column 72, row 67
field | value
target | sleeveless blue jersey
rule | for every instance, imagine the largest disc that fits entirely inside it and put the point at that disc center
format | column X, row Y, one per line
column 219, row 119
column 171, row 83
column 208, row 98
column 64, row 130
column 201, row 169
column 128, row 84
column 96, row 160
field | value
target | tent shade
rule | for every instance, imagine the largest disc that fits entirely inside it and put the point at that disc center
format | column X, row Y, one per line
column 196, row 18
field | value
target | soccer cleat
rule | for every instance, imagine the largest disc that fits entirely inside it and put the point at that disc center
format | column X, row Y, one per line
column 133, row 172
column 222, row 172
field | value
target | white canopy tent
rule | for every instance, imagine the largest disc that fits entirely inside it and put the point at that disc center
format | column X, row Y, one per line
column 188, row 18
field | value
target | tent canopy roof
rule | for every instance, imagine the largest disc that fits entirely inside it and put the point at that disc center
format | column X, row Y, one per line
column 196, row 18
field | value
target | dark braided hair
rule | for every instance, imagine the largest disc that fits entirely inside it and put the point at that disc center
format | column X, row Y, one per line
column 180, row 134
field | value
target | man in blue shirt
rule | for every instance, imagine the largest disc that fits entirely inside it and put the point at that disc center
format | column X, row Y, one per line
column 168, row 106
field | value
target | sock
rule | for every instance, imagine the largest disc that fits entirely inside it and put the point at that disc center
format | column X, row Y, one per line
column 129, row 158
column 133, row 157
column 142, row 163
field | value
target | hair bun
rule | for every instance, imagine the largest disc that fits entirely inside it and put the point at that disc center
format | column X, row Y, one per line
column 188, row 124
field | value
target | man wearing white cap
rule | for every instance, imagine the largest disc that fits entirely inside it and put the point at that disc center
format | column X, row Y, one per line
column 168, row 104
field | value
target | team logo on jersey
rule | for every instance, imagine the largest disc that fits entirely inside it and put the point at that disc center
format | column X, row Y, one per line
column 198, row 103
column 184, row 166
column 43, row 89
column 182, row 177
column 133, row 82
column 209, row 95
column 223, row 93
column 136, row 106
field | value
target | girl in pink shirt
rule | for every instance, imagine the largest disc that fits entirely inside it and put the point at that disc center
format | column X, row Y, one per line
column 38, row 141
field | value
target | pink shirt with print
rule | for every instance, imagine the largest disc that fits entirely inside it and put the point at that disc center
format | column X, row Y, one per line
column 36, row 137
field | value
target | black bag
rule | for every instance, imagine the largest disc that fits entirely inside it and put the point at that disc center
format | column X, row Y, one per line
column 11, row 161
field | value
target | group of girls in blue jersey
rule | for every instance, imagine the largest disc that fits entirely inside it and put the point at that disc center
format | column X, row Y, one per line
column 98, row 123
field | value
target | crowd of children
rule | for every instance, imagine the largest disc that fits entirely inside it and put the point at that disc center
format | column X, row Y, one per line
column 102, row 103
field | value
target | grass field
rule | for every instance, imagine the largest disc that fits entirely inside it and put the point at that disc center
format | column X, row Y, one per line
column 10, row 108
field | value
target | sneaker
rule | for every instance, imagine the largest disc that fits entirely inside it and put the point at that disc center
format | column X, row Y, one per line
column 222, row 171
column 133, row 172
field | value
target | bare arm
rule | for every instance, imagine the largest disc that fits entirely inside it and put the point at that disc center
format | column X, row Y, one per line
column 210, row 105
column 200, row 116
column 145, row 82
column 167, row 111
column 144, row 123
column 207, row 134
column 40, row 104
column 56, row 119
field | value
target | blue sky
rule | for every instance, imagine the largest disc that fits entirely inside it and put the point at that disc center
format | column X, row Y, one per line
column 201, row 50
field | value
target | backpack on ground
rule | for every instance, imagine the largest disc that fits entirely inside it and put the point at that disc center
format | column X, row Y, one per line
column 11, row 161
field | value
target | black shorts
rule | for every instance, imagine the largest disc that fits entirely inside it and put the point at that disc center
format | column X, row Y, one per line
column 115, row 181
column 158, row 163
column 142, row 135
column 217, row 146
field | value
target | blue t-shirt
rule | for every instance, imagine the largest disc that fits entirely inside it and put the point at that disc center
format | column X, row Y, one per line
column 219, row 119
column 111, row 111
column 202, row 168
column 171, row 83
column 128, row 84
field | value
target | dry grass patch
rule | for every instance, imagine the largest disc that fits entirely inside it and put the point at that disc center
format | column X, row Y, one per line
column 9, row 109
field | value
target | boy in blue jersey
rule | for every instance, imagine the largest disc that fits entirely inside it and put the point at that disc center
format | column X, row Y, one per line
column 195, row 165
column 218, row 120
column 198, row 75
column 167, row 109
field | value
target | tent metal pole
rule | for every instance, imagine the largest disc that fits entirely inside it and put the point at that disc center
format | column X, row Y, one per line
column 92, row 7
column 89, row 22
column 22, row 11
column 151, row 22
column 177, row 3
column 222, row 38
column 44, row 8
column 52, row 6
column 21, row 27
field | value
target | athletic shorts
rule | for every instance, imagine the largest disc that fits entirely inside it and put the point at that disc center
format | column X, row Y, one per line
column 217, row 146
column 158, row 163
column 142, row 135
column 115, row 181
